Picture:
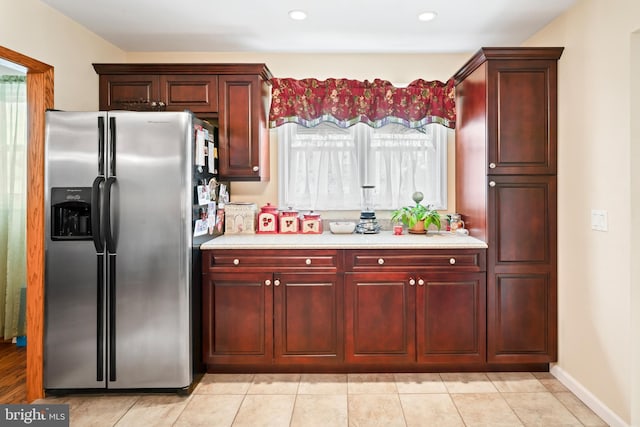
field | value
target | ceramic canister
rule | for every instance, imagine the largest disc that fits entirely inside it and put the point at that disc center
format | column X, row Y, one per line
column 311, row 223
column 288, row 221
column 268, row 219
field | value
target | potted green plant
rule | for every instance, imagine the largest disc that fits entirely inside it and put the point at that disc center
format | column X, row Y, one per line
column 417, row 218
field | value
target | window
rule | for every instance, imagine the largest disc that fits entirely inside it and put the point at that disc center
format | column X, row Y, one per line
column 323, row 168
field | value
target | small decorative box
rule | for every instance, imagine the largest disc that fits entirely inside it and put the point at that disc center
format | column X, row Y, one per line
column 240, row 218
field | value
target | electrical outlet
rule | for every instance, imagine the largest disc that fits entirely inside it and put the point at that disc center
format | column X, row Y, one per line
column 599, row 220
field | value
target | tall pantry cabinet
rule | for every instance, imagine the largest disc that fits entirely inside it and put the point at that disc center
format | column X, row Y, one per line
column 506, row 188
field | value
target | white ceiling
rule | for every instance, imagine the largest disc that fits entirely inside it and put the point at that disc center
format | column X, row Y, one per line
column 332, row 26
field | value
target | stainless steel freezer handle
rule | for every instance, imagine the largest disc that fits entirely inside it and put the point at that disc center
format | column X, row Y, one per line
column 101, row 145
column 112, row 146
column 108, row 232
column 100, row 322
column 95, row 214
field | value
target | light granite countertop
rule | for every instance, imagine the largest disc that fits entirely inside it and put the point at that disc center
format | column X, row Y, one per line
column 328, row 240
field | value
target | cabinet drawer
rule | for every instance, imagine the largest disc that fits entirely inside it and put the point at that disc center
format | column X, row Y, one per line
column 401, row 260
column 276, row 260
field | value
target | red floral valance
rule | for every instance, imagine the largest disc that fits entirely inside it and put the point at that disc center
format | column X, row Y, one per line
column 344, row 102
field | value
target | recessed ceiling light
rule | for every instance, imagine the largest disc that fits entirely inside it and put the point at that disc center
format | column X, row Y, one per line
column 297, row 15
column 427, row 16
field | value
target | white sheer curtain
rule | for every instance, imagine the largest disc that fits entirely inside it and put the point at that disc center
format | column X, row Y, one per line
column 320, row 167
column 403, row 161
column 13, row 142
column 323, row 167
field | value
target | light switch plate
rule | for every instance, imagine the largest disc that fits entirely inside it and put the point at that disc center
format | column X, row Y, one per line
column 599, row 221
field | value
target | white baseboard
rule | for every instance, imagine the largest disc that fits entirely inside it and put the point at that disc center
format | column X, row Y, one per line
column 587, row 397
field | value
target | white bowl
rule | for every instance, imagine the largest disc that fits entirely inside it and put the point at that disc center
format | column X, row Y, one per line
column 342, row 227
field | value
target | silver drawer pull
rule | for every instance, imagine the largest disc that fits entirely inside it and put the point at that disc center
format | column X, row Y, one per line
column 412, row 281
column 380, row 261
column 492, row 165
column 452, row 261
column 255, row 168
column 308, row 261
column 421, row 282
column 492, row 183
column 276, row 282
column 236, row 261
column 267, row 282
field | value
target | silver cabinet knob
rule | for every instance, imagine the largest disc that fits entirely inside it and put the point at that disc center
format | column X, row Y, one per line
column 276, row 282
column 380, row 261
column 236, row 261
column 492, row 183
column 452, row 261
column 267, row 282
column 492, row 165
column 308, row 261
column 412, row 281
column 421, row 282
column 256, row 168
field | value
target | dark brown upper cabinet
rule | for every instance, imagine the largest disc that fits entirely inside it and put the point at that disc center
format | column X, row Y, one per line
column 236, row 96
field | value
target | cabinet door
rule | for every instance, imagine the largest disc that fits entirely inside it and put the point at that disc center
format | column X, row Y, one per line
column 243, row 130
column 308, row 318
column 450, row 310
column 521, row 283
column 128, row 92
column 237, row 318
column 522, row 124
column 197, row 93
column 379, row 318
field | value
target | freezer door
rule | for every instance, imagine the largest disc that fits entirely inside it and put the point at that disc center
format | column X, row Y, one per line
column 149, row 263
column 74, row 325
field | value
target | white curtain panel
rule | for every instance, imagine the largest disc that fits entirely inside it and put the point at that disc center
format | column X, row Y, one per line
column 324, row 167
column 13, row 178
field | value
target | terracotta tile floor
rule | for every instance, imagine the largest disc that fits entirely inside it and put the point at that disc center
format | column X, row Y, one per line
column 274, row 400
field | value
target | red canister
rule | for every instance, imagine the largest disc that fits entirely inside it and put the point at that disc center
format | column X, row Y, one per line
column 288, row 221
column 311, row 223
column 268, row 219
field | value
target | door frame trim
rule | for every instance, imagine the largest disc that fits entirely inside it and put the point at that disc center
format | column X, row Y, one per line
column 39, row 99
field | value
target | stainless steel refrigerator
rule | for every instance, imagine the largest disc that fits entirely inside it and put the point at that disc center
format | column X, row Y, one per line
column 121, row 262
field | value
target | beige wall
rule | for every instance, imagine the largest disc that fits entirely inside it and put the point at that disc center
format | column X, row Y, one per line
column 395, row 68
column 596, row 337
column 34, row 29
column 635, row 228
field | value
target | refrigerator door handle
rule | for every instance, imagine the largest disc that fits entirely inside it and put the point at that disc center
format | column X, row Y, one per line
column 108, row 232
column 100, row 322
column 95, row 214
column 101, row 145
column 112, row 146
column 112, row 317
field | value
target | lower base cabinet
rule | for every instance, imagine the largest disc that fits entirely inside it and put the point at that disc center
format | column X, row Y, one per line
column 237, row 315
column 358, row 310
column 451, row 318
column 263, row 308
column 256, row 318
column 379, row 318
column 308, row 318
column 432, row 318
